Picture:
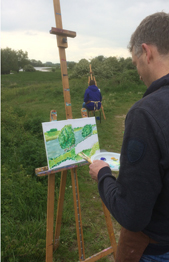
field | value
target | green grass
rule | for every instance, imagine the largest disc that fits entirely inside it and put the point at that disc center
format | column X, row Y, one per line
column 26, row 101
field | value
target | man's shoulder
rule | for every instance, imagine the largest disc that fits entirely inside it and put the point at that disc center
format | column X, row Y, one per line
column 155, row 103
column 160, row 95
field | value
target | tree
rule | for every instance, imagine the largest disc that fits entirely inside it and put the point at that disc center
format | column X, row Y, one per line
column 22, row 58
column 105, row 67
column 126, row 63
column 9, row 61
column 87, row 130
column 81, row 68
column 71, row 65
column 110, row 67
column 35, row 63
column 13, row 60
column 96, row 64
column 101, row 58
column 66, row 137
column 57, row 66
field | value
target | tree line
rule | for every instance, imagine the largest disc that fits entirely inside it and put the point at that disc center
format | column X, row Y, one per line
column 104, row 67
column 12, row 60
column 118, row 69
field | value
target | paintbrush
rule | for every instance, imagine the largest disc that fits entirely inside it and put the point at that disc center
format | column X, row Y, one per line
column 82, row 155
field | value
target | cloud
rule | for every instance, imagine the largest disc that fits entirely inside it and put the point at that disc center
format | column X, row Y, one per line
column 102, row 27
column 26, row 15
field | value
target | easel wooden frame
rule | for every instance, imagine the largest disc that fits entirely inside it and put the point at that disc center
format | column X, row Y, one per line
column 52, row 244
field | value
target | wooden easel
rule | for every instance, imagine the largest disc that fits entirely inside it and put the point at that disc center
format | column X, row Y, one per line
column 91, row 77
column 52, row 244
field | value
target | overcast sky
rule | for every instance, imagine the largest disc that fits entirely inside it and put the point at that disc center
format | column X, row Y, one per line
column 103, row 27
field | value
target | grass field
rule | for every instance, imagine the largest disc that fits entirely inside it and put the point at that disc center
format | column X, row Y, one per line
column 26, row 101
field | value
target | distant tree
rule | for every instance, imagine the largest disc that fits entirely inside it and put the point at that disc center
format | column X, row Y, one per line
column 130, row 75
column 126, row 63
column 81, row 68
column 9, row 61
column 71, row 65
column 104, row 67
column 13, row 60
column 66, row 137
column 36, row 63
column 87, row 130
column 29, row 68
column 39, row 63
column 22, row 58
column 96, row 64
column 101, row 58
column 57, row 66
column 48, row 64
column 110, row 67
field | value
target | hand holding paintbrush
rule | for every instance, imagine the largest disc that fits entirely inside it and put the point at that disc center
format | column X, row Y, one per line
column 95, row 167
column 82, row 155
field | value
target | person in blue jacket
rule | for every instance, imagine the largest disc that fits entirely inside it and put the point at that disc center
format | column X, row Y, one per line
column 92, row 97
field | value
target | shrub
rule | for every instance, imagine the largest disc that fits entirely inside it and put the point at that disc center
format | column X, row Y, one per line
column 81, row 69
column 29, row 68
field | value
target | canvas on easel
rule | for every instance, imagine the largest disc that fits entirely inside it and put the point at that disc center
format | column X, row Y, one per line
column 65, row 139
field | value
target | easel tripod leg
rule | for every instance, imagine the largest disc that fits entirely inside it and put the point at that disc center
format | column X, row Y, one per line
column 103, row 112
column 50, row 218
column 78, row 219
column 60, row 208
column 110, row 229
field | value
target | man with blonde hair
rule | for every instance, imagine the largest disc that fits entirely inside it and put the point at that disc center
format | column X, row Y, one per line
column 139, row 198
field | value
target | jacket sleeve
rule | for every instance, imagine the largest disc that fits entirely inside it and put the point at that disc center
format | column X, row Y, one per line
column 132, row 197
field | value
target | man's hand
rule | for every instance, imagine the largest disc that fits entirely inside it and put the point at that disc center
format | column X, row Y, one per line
column 95, row 167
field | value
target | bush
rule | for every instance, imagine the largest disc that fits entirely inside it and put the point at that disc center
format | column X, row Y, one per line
column 29, row 68
column 80, row 69
column 106, row 68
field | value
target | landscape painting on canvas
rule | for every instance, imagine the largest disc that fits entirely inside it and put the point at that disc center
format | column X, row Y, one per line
column 65, row 139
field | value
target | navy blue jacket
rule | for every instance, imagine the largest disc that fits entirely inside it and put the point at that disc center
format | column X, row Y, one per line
column 92, row 93
column 139, row 198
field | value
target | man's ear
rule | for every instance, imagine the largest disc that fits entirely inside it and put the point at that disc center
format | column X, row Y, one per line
column 147, row 50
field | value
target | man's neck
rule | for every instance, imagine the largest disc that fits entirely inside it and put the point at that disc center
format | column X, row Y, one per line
column 161, row 66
